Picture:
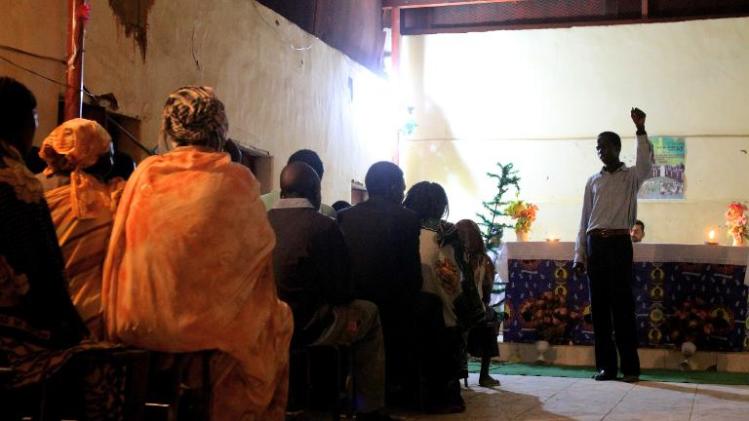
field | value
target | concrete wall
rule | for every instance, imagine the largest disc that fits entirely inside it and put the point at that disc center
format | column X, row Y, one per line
column 539, row 98
column 283, row 88
column 39, row 27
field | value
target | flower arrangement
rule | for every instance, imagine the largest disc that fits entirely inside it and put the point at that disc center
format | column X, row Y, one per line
column 696, row 322
column 550, row 316
column 736, row 221
column 524, row 212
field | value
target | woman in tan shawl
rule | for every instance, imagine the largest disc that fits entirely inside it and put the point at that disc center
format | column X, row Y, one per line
column 189, row 263
column 78, row 154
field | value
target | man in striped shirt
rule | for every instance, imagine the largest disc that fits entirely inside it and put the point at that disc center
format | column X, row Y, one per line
column 604, row 248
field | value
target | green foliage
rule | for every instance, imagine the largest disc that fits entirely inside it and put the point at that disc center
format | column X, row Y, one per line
column 494, row 220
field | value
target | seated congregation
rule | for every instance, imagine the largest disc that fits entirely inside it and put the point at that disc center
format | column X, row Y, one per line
column 187, row 257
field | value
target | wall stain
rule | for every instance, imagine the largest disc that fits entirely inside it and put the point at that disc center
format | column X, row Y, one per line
column 132, row 16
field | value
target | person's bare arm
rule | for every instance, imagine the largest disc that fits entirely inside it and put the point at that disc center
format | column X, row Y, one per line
column 644, row 163
column 638, row 117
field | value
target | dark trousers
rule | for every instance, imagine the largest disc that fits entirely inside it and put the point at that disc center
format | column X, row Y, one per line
column 397, row 331
column 612, row 303
column 440, row 351
column 367, row 344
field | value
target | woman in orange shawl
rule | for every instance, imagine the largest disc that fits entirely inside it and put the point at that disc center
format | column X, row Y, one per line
column 82, row 208
column 189, row 263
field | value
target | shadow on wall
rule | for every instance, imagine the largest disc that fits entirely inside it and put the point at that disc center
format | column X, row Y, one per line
column 442, row 161
column 436, row 160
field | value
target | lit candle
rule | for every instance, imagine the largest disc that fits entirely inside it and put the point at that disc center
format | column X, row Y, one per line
column 552, row 238
column 711, row 238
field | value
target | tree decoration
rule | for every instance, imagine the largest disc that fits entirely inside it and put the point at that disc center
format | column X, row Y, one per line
column 494, row 218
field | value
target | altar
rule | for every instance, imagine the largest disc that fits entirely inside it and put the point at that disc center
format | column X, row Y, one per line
column 695, row 293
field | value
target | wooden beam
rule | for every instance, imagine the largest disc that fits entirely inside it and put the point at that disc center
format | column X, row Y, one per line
column 645, row 9
column 415, row 4
column 452, row 29
column 77, row 17
column 395, row 39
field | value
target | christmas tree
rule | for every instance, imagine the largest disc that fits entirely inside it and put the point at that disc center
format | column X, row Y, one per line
column 494, row 219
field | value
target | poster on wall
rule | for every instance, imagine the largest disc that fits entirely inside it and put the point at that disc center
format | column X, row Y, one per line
column 667, row 182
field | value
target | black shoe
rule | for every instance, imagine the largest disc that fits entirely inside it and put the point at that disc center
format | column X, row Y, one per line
column 631, row 378
column 604, row 375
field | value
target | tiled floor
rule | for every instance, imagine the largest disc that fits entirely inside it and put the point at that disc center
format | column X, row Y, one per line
column 554, row 398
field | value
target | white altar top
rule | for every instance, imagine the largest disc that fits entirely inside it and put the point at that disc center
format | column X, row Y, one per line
column 643, row 252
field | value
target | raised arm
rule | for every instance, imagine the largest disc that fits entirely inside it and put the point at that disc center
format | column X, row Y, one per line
column 644, row 162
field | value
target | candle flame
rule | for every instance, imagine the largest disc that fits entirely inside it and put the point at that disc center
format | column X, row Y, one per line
column 711, row 235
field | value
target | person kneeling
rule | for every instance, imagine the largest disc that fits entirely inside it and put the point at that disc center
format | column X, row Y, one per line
column 312, row 271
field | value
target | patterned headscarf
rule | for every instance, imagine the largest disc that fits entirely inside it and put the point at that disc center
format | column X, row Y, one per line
column 73, row 146
column 193, row 115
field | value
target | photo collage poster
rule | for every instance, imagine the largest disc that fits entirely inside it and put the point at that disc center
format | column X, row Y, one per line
column 667, row 182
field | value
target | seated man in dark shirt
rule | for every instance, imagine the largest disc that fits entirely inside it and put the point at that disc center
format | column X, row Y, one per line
column 383, row 241
column 312, row 271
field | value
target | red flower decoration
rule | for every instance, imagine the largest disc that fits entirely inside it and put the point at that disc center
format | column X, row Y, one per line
column 84, row 12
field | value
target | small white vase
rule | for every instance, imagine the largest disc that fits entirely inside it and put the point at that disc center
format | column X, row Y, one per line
column 688, row 349
column 541, row 346
column 521, row 235
column 739, row 241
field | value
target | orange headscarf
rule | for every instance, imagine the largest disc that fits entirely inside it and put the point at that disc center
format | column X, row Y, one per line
column 73, row 146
